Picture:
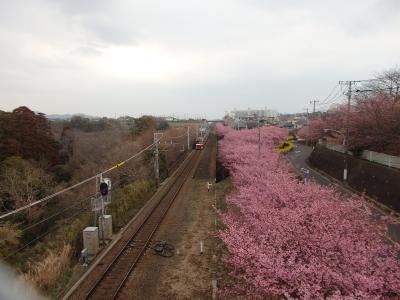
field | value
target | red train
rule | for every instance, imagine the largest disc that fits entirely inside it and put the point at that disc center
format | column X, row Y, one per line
column 201, row 141
column 199, row 146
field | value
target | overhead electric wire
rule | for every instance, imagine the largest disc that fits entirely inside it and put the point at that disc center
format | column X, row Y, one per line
column 55, row 215
column 75, row 185
column 176, row 137
column 40, row 236
column 329, row 95
column 373, row 90
column 331, row 101
column 56, row 226
column 69, row 207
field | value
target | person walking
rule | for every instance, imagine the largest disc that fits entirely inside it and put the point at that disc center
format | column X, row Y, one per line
column 306, row 175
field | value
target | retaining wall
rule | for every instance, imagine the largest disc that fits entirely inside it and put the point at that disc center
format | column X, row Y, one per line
column 379, row 182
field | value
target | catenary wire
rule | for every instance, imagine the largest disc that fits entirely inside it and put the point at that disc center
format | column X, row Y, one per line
column 75, row 185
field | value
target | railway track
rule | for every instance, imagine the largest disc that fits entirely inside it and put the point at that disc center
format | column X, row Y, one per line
column 112, row 279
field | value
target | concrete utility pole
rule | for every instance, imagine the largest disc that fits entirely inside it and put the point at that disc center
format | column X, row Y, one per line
column 346, row 138
column 314, row 102
column 259, row 139
column 156, row 154
column 306, row 109
column 344, row 151
column 188, row 138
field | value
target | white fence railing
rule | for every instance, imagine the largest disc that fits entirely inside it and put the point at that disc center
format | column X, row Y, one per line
column 382, row 158
column 379, row 158
column 337, row 148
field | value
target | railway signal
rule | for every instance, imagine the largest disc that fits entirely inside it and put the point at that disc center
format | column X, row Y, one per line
column 104, row 188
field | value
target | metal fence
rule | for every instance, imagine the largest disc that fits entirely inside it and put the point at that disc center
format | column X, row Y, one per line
column 379, row 158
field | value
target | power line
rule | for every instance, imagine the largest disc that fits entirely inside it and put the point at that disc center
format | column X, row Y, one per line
column 75, row 185
column 115, row 185
column 330, row 94
column 337, row 96
column 314, row 102
column 40, row 236
column 176, row 137
column 55, row 215
column 373, row 90
column 56, row 226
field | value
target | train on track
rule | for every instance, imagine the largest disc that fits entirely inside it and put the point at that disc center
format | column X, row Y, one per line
column 202, row 136
column 200, row 142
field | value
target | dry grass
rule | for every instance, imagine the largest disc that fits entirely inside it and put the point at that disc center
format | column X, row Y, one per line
column 9, row 233
column 9, row 238
column 45, row 274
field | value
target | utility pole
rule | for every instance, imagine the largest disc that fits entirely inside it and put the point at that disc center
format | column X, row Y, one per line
column 259, row 138
column 346, row 138
column 306, row 109
column 156, row 162
column 188, row 138
column 313, row 102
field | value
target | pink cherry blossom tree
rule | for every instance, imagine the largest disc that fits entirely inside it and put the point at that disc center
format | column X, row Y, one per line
column 298, row 241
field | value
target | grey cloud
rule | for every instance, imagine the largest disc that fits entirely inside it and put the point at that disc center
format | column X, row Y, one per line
column 111, row 31
column 87, row 51
column 100, row 19
column 79, row 7
column 278, row 54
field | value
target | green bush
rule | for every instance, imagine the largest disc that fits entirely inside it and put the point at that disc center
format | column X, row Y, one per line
column 139, row 125
column 127, row 200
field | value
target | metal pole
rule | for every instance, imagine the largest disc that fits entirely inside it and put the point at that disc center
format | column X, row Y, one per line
column 313, row 102
column 156, row 164
column 345, row 142
column 101, row 221
column 188, row 138
column 307, row 115
column 259, row 139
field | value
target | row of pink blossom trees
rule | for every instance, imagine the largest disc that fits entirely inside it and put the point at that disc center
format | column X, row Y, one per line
column 373, row 123
column 298, row 241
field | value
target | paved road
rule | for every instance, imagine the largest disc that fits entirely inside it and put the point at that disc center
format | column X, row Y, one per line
column 298, row 158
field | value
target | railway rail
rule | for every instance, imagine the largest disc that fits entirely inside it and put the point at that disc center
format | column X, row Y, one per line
column 112, row 279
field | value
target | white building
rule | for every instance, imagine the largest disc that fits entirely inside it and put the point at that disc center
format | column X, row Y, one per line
column 252, row 114
column 249, row 118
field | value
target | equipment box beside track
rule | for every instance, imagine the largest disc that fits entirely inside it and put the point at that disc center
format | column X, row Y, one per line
column 91, row 240
column 105, row 226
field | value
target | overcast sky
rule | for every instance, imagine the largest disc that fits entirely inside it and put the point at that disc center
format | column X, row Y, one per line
column 118, row 57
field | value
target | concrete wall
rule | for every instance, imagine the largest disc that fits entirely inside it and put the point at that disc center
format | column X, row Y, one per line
column 379, row 158
column 378, row 181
